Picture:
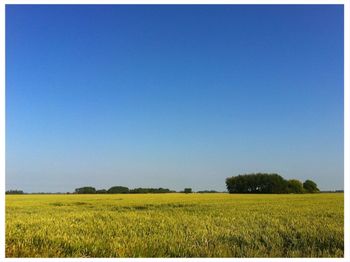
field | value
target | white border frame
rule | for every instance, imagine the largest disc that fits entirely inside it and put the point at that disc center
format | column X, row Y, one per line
column 346, row 5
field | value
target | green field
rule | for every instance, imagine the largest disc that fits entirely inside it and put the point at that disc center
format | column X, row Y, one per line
column 175, row 225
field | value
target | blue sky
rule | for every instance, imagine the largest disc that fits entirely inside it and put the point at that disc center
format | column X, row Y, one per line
column 172, row 96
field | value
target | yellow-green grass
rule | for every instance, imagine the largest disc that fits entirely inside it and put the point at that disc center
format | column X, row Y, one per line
column 175, row 225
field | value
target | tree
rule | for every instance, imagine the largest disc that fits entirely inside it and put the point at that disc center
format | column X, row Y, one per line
column 118, row 190
column 274, row 183
column 85, row 190
column 188, row 190
column 310, row 186
column 101, row 191
column 295, row 186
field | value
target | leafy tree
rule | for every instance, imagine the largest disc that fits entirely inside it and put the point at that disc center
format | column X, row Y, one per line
column 295, row 186
column 101, row 191
column 85, row 190
column 118, row 190
column 310, row 186
column 278, row 185
column 188, row 190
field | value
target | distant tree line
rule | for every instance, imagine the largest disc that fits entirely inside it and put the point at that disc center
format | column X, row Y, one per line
column 268, row 184
column 332, row 191
column 121, row 190
column 14, row 192
column 187, row 190
column 140, row 190
column 249, row 183
column 113, row 190
column 207, row 191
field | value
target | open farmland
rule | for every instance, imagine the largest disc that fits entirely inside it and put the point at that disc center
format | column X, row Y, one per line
column 175, row 225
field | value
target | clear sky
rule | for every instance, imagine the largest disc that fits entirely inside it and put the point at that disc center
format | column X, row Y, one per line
column 172, row 96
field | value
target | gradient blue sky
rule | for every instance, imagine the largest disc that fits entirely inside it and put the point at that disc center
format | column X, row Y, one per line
column 172, row 96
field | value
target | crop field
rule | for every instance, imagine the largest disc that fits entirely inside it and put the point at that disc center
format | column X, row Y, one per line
column 175, row 225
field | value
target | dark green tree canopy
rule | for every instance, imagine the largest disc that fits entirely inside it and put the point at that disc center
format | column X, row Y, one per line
column 118, row 190
column 141, row 190
column 310, row 186
column 121, row 190
column 257, row 183
column 268, row 183
column 85, row 190
column 295, row 186
column 14, row 192
column 207, row 191
column 188, row 190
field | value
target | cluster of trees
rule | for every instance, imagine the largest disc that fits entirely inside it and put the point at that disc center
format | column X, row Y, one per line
column 14, row 192
column 114, row 190
column 207, row 191
column 268, row 184
column 249, row 183
column 121, row 190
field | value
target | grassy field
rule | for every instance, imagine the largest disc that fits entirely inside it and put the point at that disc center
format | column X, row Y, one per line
column 175, row 225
